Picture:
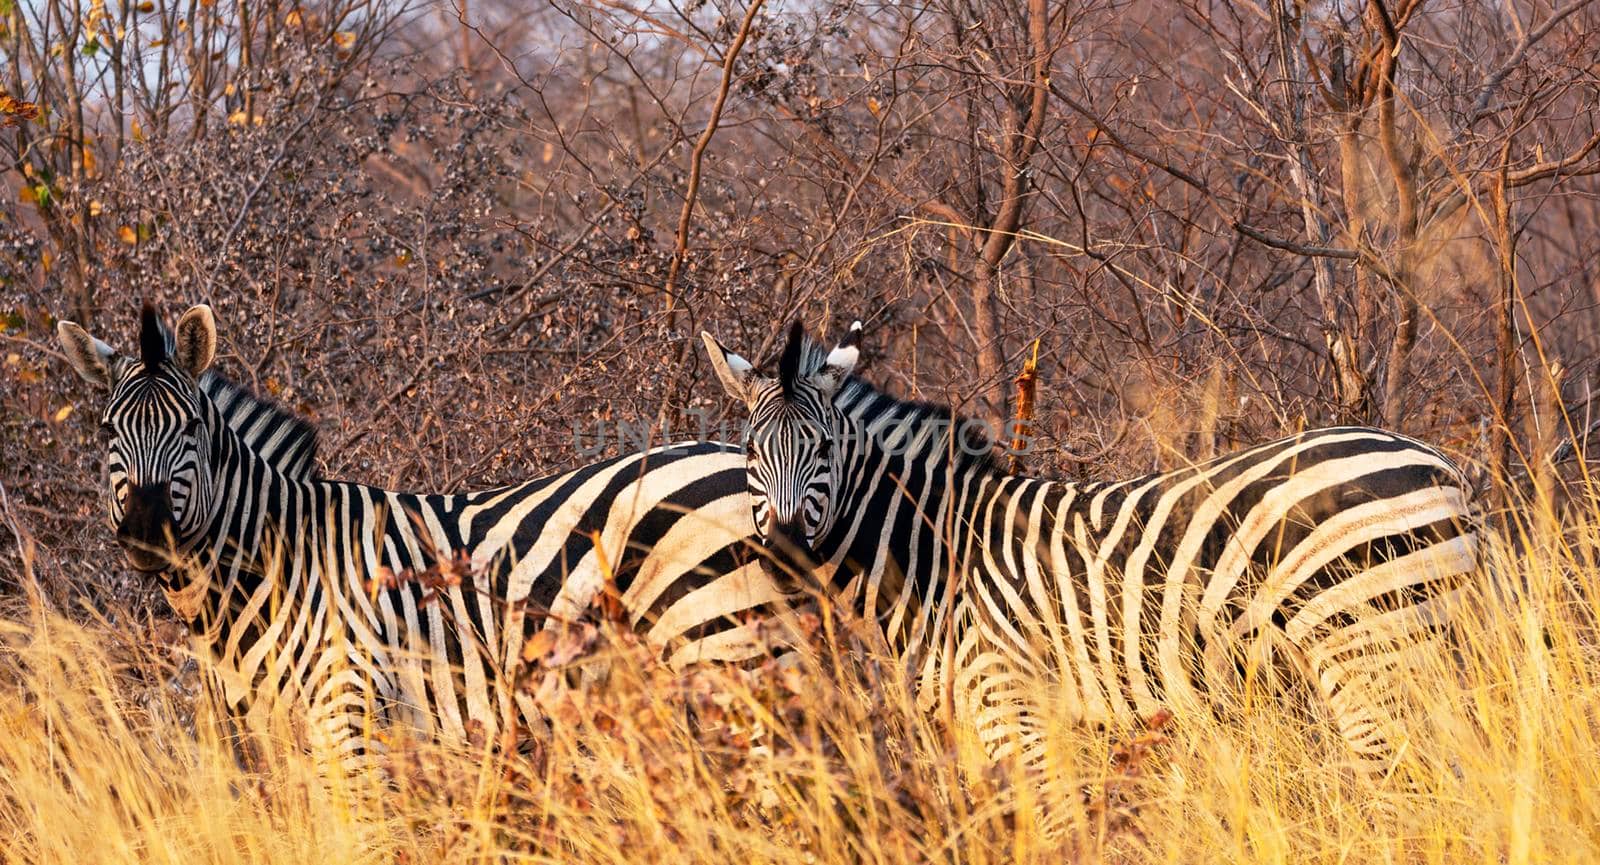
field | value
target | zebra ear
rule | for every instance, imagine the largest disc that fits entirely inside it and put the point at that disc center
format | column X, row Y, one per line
column 89, row 357
column 733, row 370
column 197, row 340
column 840, row 362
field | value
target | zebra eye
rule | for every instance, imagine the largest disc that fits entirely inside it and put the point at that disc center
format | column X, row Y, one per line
column 752, row 451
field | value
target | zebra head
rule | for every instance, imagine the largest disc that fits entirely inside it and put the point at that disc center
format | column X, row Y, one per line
column 158, row 448
column 793, row 443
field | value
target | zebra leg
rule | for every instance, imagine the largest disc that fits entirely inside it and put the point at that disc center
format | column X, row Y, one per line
column 340, row 732
column 1002, row 703
column 1369, row 689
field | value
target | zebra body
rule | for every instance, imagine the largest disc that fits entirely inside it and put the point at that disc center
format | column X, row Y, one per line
column 1337, row 552
column 436, row 657
column 287, row 579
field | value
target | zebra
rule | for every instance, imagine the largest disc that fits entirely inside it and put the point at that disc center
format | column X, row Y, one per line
column 1333, row 557
column 288, row 579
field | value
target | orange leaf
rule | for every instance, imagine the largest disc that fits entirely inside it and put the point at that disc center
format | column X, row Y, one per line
column 538, row 646
column 17, row 110
column 344, row 39
column 127, row 235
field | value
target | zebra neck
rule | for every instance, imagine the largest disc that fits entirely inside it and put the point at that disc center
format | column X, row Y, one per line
column 934, row 530
column 290, row 551
column 931, row 509
column 257, row 523
column 266, row 526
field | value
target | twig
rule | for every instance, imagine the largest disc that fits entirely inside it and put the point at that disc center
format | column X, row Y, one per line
column 1027, row 382
column 1266, row 239
column 250, row 197
column 696, row 157
column 1492, row 83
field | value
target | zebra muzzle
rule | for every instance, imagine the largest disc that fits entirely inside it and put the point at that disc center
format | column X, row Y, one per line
column 790, row 559
column 147, row 533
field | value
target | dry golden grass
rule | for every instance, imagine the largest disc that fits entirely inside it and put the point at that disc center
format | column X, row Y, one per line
column 819, row 760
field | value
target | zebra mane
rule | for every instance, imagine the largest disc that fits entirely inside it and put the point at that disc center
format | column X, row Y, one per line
column 802, row 358
column 285, row 440
column 974, row 450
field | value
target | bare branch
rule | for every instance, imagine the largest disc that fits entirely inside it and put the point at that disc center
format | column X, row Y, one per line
column 698, row 156
column 1266, row 239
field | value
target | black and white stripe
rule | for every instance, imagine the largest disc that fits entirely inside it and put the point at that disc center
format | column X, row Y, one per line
column 1334, row 554
column 277, row 567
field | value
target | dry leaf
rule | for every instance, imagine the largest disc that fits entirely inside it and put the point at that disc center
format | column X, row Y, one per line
column 538, row 646
column 62, row 413
column 16, row 110
column 127, row 235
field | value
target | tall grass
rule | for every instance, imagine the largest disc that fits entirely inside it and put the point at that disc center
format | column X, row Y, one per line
column 820, row 758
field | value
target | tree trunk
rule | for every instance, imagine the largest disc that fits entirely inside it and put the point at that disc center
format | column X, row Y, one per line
column 1021, row 141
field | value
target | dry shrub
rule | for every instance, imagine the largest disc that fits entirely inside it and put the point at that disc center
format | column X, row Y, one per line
column 415, row 226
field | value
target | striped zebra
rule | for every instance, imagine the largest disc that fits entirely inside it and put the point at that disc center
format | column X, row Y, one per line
column 280, row 572
column 1333, row 556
